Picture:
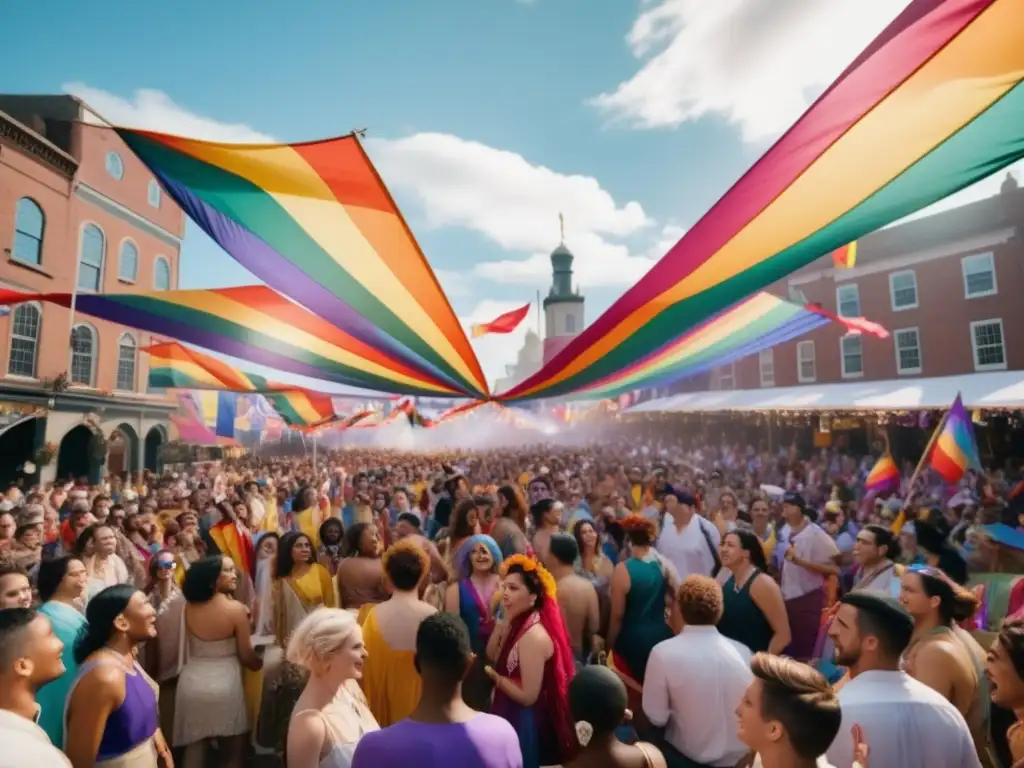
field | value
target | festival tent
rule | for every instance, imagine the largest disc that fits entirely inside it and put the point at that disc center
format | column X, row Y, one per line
column 995, row 389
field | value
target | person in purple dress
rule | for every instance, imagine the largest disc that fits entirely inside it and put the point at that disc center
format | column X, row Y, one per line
column 443, row 730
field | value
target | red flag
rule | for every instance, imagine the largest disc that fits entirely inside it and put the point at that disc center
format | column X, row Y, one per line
column 845, row 257
column 505, row 323
column 852, row 324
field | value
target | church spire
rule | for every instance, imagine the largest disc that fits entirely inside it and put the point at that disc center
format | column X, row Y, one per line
column 561, row 229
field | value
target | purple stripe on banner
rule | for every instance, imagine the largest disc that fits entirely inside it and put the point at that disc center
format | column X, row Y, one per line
column 260, row 258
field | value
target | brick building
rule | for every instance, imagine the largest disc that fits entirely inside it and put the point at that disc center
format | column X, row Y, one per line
column 78, row 212
column 945, row 287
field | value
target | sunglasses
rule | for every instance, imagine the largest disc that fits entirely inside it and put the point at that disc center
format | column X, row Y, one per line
column 165, row 565
column 924, row 570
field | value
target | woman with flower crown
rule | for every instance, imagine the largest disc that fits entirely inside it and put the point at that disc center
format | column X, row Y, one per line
column 533, row 664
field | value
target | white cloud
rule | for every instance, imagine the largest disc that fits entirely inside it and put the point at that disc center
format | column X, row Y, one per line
column 756, row 63
column 514, row 203
column 495, row 351
column 155, row 111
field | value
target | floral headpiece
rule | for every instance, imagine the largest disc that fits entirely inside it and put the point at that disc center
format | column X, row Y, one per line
column 530, row 565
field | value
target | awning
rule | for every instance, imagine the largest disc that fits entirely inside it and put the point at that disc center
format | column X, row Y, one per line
column 999, row 389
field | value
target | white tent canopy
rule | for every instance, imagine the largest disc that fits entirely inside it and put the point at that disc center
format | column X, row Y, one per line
column 1000, row 389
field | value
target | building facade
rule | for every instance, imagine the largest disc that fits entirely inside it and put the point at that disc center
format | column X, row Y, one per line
column 563, row 306
column 945, row 287
column 78, row 213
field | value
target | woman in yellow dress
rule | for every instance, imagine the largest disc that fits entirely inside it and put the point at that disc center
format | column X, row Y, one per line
column 390, row 680
column 309, row 518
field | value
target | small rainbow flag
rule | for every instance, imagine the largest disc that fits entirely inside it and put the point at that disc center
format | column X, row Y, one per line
column 845, row 257
column 955, row 449
column 505, row 323
column 884, row 477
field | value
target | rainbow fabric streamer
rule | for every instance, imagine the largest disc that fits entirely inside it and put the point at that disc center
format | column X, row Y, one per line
column 173, row 365
column 190, row 426
column 315, row 222
column 257, row 324
column 884, row 477
column 933, row 105
column 955, row 450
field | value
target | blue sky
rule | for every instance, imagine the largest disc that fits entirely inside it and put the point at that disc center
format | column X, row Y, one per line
column 485, row 117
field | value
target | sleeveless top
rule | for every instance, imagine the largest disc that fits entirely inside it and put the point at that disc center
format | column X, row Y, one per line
column 742, row 620
column 135, row 721
column 643, row 622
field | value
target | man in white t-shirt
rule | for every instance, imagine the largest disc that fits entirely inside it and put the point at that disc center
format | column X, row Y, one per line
column 687, row 540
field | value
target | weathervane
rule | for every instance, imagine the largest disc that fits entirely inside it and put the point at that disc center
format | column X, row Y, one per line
column 561, row 227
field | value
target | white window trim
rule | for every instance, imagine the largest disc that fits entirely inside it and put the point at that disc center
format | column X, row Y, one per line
column 764, row 354
column 10, row 343
column 727, row 373
column 992, row 266
column 170, row 273
column 896, row 349
column 839, row 303
column 799, row 360
column 892, row 290
column 842, row 356
column 103, row 258
column 95, row 356
column 158, row 195
column 120, row 160
column 135, row 366
column 974, row 344
column 14, row 233
column 138, row 257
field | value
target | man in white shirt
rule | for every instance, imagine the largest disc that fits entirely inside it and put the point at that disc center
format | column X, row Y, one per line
column 695, row 680
column 30, row 657
column 904, row 722
column 687, row 540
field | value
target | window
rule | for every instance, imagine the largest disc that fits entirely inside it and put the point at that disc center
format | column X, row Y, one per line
column 126, row 363
column 903, row 290
column 853, row 355
column 727, row 377
column 987, row 342
column 979, row 275
column 806, row 367
column 848, row 300
column 162, row 277
column 128, row 266
column 908, row 350
column 153, row 193
column 83, row 354
column 25, row 322
column 115, row 166
column 90, row 260
column 29, row 223
column 766, row 365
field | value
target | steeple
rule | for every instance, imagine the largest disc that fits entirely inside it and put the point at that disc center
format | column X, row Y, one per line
column 561, row 266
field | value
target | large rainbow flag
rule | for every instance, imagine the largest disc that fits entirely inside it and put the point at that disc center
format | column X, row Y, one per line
column 933, row 105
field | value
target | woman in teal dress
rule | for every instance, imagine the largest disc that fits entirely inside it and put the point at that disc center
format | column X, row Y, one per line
column 61, row 582
column 641, row 589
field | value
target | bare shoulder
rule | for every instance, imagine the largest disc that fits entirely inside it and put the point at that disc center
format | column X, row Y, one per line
column 652, row 755
column 536, row 639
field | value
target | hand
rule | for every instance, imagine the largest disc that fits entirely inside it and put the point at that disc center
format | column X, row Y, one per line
column 491, row 672
column 791, row 553
column 860, row 747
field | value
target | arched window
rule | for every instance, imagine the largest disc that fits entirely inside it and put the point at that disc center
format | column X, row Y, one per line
column 29, row 223
column 90, row 259
column 570, row 323
column 162, row 274
column 126, row 355
column 153, row 193
column 128, row 266
column 83, row 354
column 25, row 321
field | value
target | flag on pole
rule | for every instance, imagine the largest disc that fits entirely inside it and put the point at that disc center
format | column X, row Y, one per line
column 884, row 477
column 845, row 257
column 955, row 450
column 505, row 323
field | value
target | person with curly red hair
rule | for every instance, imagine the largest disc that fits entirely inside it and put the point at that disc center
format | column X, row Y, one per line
column 533, row 664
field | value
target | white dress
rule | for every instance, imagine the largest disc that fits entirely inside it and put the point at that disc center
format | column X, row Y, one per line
column 344, row 717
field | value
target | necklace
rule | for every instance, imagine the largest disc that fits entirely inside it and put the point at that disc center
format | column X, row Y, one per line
column 738, row 585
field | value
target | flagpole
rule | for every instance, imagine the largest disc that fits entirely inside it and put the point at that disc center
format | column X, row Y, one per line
column 920, row 463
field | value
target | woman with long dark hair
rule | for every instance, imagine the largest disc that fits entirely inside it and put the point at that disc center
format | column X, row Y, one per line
column 111, row 716
column 360, row 576
column 533, row 664
column 509, row 530
column 754, row 612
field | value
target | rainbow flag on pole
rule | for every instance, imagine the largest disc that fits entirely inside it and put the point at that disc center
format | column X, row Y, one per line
column 955, row 450
column 884, row 477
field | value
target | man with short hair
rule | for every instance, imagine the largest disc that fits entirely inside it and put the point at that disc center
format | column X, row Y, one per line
column 693, row 681
column 442, row 731
column 904, row 722
column 576, row 596
column 788, row 715
column 15, row 589
column 30, row 657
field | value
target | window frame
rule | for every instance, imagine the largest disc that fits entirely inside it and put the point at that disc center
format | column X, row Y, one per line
column 766, row 381
column 842, row 355
column 120, row 164
column 18, row 231
column 94, row 356
column 730, row 375
column 896, row 349
column 11, row 338
column 154, row 194
column 892, row 290
column 126, row 336
column 156, row 274
column 839, row 300
column 120, row 261
column 978, row 367
column 81, row 255
column 806, row 344
column 992, row 266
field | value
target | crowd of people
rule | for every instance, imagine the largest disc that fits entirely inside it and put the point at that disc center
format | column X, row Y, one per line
column 676, row 603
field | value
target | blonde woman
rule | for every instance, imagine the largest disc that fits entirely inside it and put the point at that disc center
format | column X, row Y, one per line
column 331, row 715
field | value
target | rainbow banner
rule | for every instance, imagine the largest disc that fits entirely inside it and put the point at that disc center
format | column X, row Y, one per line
column 955, row 450
column 315, row 221
column 257, row 324
column 173, row 365
column 884, row 477
column 933, row 105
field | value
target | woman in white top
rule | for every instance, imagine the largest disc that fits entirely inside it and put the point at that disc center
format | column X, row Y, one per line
column 331, row 715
